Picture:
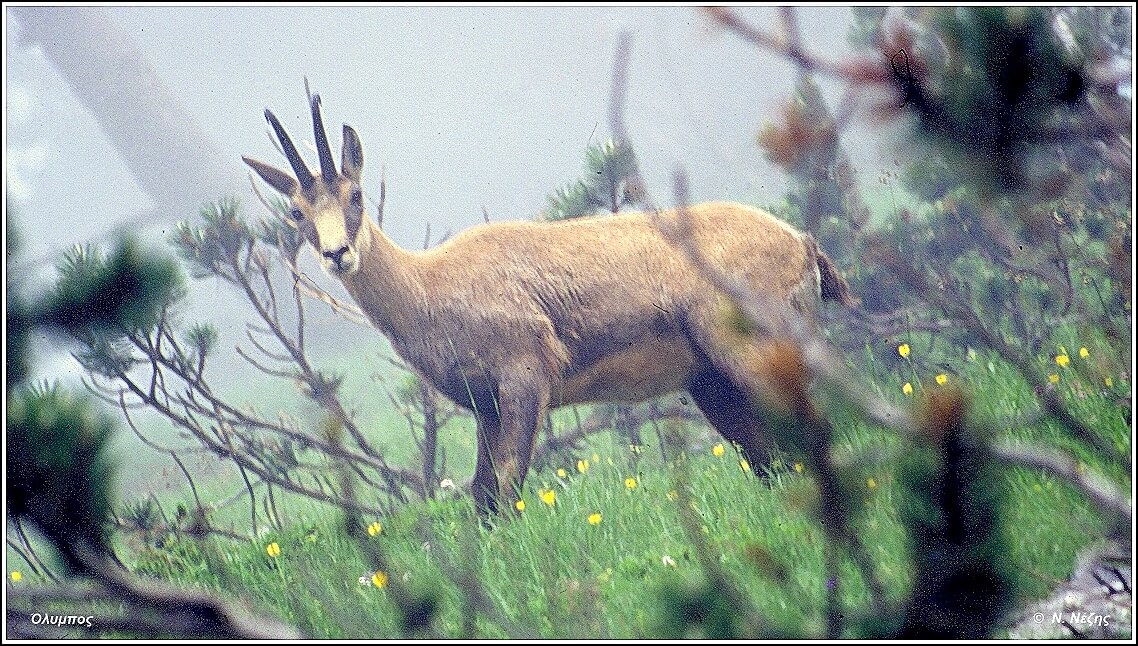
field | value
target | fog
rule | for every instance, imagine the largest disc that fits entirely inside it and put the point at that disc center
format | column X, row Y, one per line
column 464, row 109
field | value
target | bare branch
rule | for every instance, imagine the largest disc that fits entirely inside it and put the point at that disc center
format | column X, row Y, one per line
column 382, row 195
column 24, row 555
column 1099, row 490
column 31, row 551
column 224, row 448
column 622, row 60
column 788, row 46
column 262, row 349
column 310, row 289
column 283, row 374
column 601, row 420
column 185, row 612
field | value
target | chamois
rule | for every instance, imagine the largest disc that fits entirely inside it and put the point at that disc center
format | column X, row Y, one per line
column 510, row 319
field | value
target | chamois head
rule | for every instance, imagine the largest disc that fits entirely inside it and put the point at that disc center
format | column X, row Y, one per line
column 327, row 208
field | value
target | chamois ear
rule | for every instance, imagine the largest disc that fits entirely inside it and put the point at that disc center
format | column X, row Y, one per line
column 278, row 179
column 352, row 156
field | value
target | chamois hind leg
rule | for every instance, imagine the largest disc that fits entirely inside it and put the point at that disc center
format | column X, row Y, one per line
column 522, row 402
column 730, row 411
column 720, row 388
column 485, row 485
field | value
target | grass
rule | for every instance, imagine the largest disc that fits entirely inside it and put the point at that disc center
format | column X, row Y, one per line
column 550, row 572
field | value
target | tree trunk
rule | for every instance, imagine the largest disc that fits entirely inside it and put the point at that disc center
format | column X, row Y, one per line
column 168, row 153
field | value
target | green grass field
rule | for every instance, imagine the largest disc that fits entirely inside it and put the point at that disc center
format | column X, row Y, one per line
column 604, row 553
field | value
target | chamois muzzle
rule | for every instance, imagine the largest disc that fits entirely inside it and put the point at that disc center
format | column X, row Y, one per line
column 337, row 257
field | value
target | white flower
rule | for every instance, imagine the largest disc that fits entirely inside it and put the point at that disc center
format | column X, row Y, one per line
column 446, row 483
column 667, row 560
column 365, row 580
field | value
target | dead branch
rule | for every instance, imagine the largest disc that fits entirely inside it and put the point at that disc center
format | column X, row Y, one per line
column 1099, row 490
column 309, row 288
column 149, row 607
column 382, row 195
column 601, row 419
column 789, row 45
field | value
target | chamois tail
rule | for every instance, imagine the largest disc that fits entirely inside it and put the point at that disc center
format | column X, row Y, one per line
column 833, row 287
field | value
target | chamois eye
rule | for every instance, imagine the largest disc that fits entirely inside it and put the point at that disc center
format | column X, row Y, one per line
column 295, row 214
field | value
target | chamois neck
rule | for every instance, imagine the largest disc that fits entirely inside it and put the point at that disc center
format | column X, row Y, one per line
column 387, row 286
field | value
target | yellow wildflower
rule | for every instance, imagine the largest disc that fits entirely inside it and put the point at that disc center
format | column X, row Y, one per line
column 520, row 505
column 273, row 550
column 673, row 494
column 594, row 519
column 630, row 483
column 582, row 465
column 907, row 388
column 903, row 350
column 561, row 473
column 798, row 467
column 942, row 379
column 1109, row 382
column 717, row 450
column 1053, row 378
column 744, row 466
column 548, row 496
column 16, row 576
column 375, row 529
column 1084, row 353
column 871, row 484
column 596, row 459
column 379, row 579
column 1062, row 360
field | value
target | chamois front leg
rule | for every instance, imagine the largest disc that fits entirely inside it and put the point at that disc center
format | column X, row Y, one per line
column 522, row 400
column 485, row 485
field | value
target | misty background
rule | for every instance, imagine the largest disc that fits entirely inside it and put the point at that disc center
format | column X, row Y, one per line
column 464, row 109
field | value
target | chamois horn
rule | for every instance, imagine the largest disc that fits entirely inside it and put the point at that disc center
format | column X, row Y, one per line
column 303, row 175
column 327, row 165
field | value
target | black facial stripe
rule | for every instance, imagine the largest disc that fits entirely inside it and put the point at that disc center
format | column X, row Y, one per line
column 308, row 230
column 353, row 218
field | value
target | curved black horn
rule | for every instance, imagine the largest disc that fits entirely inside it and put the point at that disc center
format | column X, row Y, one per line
column 303, row 175
column 327, row 164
